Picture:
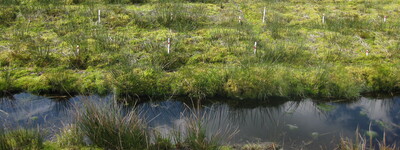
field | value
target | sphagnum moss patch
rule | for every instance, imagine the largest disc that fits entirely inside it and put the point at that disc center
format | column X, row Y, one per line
column 62, row 48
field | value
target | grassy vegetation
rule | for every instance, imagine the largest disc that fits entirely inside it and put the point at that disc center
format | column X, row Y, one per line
column 107, row 127
column 111, row 126
column 60, row 47
column 364, row 143
column 21, row 139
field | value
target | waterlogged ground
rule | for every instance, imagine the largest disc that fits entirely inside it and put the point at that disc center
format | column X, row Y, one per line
column 294, row 124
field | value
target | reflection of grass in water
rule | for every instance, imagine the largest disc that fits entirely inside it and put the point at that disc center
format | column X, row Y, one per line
column 264, row 119
column 326, row 107
column 197, row 133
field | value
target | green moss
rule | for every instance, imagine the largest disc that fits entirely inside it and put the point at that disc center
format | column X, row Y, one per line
column 199, row 83
column 61, row 82
column 138, row 82
column 34, row 84
column 93, row 82
column 211, row 52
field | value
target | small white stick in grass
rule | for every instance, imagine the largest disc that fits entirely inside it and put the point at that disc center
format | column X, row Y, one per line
column 367, row 52
column 98, row 16
column 263, row 16
column 323, row 18
column 255, row 47
column 384, row 18
column 77, row 50
column 169, row 45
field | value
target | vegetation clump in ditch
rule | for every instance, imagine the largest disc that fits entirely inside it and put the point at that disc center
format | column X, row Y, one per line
column 105, row 126
column 111, row 126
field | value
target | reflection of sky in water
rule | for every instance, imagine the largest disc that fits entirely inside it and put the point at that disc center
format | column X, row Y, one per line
column 31, row 111
column 294, row 124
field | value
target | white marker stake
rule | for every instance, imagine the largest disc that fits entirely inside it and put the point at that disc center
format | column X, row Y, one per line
column 323, row 18
column 240, row 19
column 255, row 47
column 384, row 18
column 264, row 15
column 169, row 45
column 77, row 49
column 367, row 52
column 98, row 15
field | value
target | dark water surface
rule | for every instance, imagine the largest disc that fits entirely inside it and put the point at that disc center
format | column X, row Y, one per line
column 304, row 124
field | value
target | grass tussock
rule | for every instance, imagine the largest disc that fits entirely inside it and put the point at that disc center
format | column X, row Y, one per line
column 161, row 142
column 70, row 136
column 21, row 139
column 111, row 126
column 364, row 142
column 108, row 126
column 196, row 133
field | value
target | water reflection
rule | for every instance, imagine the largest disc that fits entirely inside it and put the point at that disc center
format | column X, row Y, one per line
column 294, row 124
column 30, row 111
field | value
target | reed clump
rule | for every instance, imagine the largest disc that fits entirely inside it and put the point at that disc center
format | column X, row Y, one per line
column 21, row 139
column 197, row 136
column 70, row 136
column 364, row 143
column 107, row 126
